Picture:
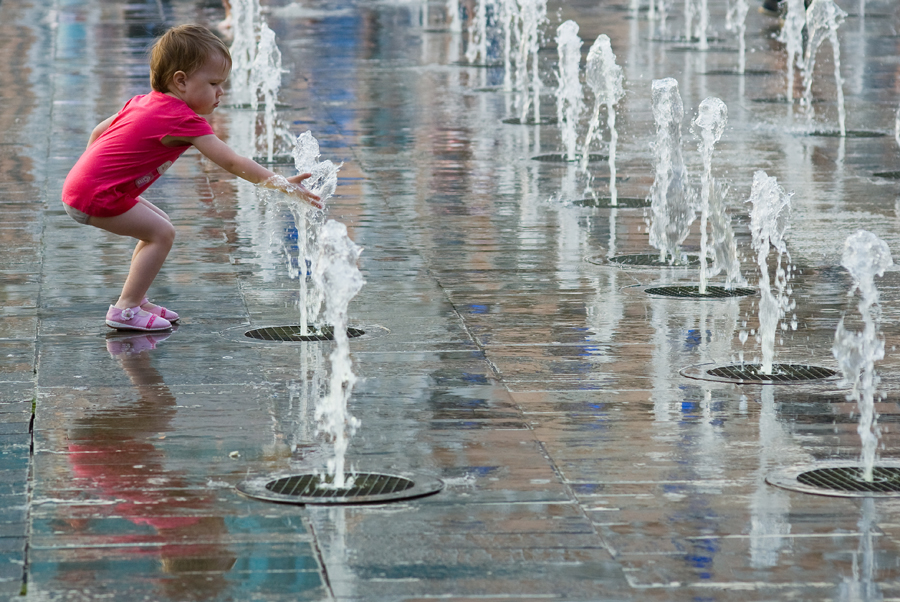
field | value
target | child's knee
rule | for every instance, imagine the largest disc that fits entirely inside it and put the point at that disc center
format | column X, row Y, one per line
column 166, row 233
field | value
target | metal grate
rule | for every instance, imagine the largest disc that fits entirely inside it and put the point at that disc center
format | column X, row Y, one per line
column 847, row 134
column 261, row 107
column 693, row 292
column 530, row 121
column 362, row 488
column 365, row 484
column 850, row 479
column 744, row 72
column 560, row 158
column 839, row 478
column 652, row 260
column 275, row 160
column 295, row 333
column 621, row 203
column 780, row 373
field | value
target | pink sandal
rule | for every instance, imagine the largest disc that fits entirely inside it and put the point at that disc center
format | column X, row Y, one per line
column 135, row 318
column 159, row 310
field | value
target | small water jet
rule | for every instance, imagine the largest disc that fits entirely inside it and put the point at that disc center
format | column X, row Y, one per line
column 865, row 256
column 336, row 274
column 671, row 199
column 823, row 17
column 569, row 93
column 605, row 78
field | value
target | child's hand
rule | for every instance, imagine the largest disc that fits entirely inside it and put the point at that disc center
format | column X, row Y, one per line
column 299, row 190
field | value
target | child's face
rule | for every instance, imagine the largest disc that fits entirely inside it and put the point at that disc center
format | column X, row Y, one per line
column 202, row 89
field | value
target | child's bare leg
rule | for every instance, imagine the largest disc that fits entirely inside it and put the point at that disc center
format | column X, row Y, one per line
column 155, row 234
column 141, row 243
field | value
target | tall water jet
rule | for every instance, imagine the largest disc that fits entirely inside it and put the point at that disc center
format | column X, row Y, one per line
column 508, row 19
column 532, row 14
column 865, row 256
column 256, row 73
column 897, row 126
column 703, row 26
column 569, row 94
column 671, row 199
column 265, row 81
column 659, row 12
column 771, row 207
column 478, row 32
column 688, row 20
column 605, row 78
column 453, row 12
column 308, row 220
column 823, row 17
column 711, row 117
column 336, row 274
column 735, row 20
column 791, row 35
column 246, row 16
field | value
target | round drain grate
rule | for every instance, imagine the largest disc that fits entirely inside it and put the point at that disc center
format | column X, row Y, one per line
column 364, row 488
column 840, row 479
column 780, row 373
column 294, row 333
column 693, row 292
column 560, row 158
column 606, row 203
column 652, row 261
column 749, row 374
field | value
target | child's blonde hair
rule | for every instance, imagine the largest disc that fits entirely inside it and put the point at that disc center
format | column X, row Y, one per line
column 183, row 48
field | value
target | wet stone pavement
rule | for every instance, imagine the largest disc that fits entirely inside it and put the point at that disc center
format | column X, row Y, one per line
column 503, row 355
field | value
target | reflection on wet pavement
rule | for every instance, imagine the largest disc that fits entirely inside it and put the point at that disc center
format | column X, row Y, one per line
column 543, row 388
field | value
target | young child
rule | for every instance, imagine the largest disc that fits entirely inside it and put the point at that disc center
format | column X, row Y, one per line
column 127, row 152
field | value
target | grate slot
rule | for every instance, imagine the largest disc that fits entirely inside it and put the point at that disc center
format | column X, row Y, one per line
column 693, row 292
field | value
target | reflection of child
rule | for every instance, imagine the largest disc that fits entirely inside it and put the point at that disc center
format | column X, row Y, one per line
column 127, row 152
column 776, row 8
column 770, row 8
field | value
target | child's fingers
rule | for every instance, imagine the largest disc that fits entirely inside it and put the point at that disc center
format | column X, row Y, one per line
column 298, row 178
column 309, row 197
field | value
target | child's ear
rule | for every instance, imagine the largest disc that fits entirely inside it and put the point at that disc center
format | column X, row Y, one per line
column 178, row 80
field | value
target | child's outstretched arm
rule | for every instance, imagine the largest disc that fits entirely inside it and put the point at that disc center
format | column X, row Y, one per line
column 222, row 155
